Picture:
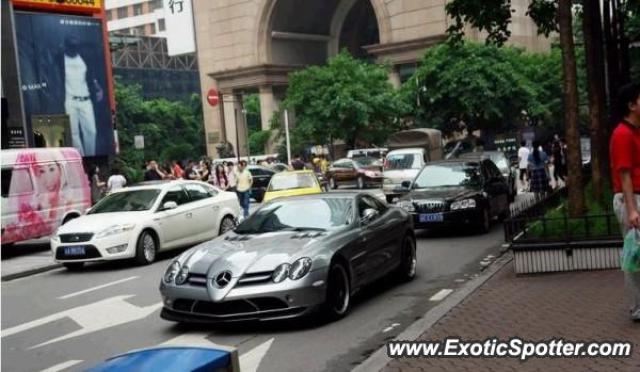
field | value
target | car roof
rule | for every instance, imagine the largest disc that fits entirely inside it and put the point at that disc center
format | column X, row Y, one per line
column 471, row 160
column 412, row 150
column 483, row 154
column 158, row 185
column 331, row 195
column 285, row 173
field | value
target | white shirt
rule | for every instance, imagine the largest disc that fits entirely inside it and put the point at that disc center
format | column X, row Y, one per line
column 116, row 182
column 75, row 77
column 523, row 156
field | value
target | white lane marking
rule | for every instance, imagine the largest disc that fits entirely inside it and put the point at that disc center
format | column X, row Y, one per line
column 390, row 328
column 97, row 287
column 91, row 318
column 62, row 366
column 441, row 295
column 250, row 361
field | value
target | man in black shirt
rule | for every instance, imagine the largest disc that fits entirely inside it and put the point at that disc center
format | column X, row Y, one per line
column 153, row 173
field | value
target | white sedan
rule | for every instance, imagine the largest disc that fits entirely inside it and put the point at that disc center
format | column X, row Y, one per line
column 137, row 222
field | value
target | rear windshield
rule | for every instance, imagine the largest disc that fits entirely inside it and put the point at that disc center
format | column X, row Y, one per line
column 292, row 181
column 402, row 161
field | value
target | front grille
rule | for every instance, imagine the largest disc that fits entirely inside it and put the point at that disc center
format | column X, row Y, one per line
column 429, row 206
column 76, row 238
column 89, row 252
column 255, row 278
column 230, row 308
column 198, row 280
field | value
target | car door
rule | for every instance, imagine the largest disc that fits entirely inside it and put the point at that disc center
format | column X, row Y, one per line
column 385, row 233
column 205, row 211
column 496, row 187
column 174, row 223
column 350, row 174
column 338, row 169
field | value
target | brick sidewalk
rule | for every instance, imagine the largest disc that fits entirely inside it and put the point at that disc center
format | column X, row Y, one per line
column 573, row 306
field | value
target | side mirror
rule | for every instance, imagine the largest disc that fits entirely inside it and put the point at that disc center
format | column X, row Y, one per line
column 406, row 185
column 369, row 215
column 169, row 205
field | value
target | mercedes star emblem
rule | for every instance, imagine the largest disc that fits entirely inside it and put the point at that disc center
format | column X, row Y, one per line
column 223, row 279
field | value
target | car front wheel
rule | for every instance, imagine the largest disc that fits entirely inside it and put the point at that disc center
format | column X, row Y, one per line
column 332, row 183
column 338, row 299
column 146, row 248
column 360, row 183
column 409, row 262
column 226, row 224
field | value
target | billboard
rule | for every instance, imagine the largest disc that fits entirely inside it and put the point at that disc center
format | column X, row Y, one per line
column 179, row 23
column 63, row 72
column 75, row 5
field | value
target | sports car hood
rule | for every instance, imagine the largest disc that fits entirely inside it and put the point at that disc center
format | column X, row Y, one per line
column 97, row 222
column 249, row 253
column 442, row 193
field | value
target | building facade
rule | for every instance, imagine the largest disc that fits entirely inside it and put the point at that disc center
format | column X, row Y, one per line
column 135, row 17
column 252, row 46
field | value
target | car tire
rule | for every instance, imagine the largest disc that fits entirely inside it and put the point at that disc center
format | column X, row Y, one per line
column 360, row 183
column 338, row 298
column 146, row 248
column 333, row 184
column 390, row 198
column 406, row 272
column 485, row 224
column 226, row 224
column 74, row 266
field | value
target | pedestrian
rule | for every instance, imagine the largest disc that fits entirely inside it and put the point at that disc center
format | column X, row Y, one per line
column 176, row 170
column 204, row 171
column 559, row 161
column 324, row 164
column 538, row 162
column 243, row 188
column 116, row 181
column 231, row 176
column 219, row 177
column 625, row 167
column 523, row 163
column 153, row 172
column 97, row 185
column 297, row 163
column 190, row 172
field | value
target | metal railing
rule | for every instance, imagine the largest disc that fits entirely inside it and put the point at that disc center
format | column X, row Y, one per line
column 565, row 229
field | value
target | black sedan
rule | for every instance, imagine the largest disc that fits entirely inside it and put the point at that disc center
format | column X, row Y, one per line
column 504, row 165
column 285, row 262
column 457, row 193
column 261, row 178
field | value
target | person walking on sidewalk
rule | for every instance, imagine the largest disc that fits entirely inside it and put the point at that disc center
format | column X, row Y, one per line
column 243, row 188
column 625, row 167
column 523, row 163
column 538, row 163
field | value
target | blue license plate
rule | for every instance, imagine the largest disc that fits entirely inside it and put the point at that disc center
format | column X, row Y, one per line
column 74, row 251
column 431, row 217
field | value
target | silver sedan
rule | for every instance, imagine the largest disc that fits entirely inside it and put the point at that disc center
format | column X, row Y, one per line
column 293, row 257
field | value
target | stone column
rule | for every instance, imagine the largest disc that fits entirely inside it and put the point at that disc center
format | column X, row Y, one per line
column 235, row 126
column 268, row 105
column 394, row 78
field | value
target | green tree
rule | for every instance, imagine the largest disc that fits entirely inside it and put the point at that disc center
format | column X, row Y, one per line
column 484, row 86
column 347, row 99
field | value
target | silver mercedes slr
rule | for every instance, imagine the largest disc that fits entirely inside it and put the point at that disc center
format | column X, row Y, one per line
column 293, row 257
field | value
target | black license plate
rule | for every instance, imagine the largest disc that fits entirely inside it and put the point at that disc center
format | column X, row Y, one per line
column 75, row 251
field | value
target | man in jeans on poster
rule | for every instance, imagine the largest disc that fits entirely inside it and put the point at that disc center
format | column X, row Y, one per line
column 625, row 166
column 243, row 187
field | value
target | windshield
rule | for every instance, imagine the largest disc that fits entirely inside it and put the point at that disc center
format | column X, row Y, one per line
column 403, row 161
column 367, row 162
column 127, row 201
column 501, row 162
column 447, row 176
column 298, row 215
column 293, row 181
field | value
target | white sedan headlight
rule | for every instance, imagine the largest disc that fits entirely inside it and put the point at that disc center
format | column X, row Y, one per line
column 463, row 204
column 407, row 205
column 300, row 268
column 115, row 229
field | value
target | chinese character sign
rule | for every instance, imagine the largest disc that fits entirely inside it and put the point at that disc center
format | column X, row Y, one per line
column 180, row 30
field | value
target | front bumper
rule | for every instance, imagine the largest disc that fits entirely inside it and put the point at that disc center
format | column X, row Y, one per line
column 373, row 181
column 97, row 249
column 269, row 301
column 458, row 218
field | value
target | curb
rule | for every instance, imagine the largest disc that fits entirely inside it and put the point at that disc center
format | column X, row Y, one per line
column 379, row 359
column 29, row 272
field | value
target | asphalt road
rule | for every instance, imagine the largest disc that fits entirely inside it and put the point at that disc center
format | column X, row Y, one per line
column 70, row 321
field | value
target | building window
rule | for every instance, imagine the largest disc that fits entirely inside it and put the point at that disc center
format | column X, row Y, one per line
column 161, row 25
column 156, row 4
column 137, row 9
column 109, row 15
column 152, row 29
column 122, row 12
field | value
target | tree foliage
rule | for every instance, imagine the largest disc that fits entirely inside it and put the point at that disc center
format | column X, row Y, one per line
column 484, row 86
column 171, row 130
column 347, row 99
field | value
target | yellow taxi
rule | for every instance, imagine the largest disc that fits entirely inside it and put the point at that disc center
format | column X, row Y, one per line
column 292, row 183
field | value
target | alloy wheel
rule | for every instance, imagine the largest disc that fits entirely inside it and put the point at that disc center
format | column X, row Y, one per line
column 149, row 247
column 340, row 296
column 226, row 225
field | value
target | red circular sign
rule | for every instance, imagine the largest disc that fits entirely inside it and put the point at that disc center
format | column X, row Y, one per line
column 212, row 97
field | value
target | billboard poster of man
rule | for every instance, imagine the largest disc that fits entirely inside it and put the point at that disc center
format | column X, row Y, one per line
column 63, row 71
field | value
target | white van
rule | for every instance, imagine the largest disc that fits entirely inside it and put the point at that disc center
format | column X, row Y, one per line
column 41, row 189
column 399, row 166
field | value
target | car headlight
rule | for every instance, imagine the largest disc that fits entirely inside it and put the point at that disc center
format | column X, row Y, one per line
column 300, row 268
column 407, row 205
column 463, row 204
column 172, row 271
column 370, row 174
column 182, row 276
column 115, row 229
column 387, row 181
column 55, row 237
column 281, row 273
